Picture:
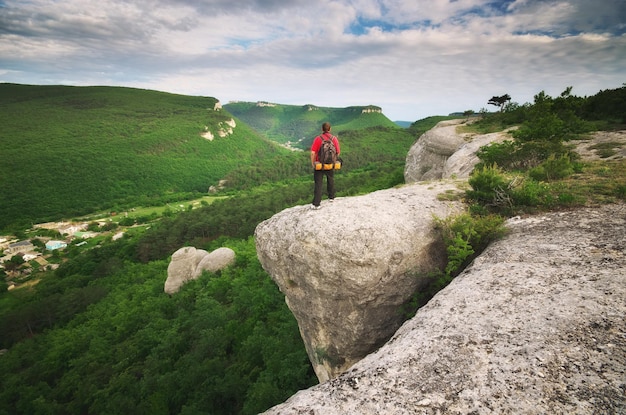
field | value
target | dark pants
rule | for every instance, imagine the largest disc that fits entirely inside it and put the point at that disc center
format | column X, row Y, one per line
column 318, row 176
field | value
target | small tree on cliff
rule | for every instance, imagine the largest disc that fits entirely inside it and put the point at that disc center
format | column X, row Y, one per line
column 500, row 101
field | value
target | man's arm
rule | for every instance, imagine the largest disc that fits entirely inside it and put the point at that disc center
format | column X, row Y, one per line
column 313, row 158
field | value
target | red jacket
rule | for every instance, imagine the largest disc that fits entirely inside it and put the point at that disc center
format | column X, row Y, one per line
column 317, row 144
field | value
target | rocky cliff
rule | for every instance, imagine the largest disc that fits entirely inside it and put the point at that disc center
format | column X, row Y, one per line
column 346, row 269
column 536, row 325
column 443, row 153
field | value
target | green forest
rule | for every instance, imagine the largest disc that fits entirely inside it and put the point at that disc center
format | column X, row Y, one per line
column 298, row 125
column 99, row 336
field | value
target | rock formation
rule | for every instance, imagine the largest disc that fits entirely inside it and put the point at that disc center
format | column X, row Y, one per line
column 442, row 153
column 461, row 163
column 536, row 325
column 346, row 269
column 188, row 263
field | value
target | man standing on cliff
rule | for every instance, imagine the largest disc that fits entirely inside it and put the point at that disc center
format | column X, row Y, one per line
column 319, row 169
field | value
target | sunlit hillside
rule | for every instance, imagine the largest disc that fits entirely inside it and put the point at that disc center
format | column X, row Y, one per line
column 72, row 150
column 297, row 125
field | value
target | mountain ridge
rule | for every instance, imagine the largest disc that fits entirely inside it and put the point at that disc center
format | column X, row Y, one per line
column 297, row 125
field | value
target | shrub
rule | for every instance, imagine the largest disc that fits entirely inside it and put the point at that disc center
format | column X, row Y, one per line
column 529, row 193
column 465, row 237
column 497, row 153
column 489, row 187
column 553, row 168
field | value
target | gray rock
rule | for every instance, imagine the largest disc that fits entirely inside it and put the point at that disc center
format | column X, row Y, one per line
column 461, row 163
column 347, row 268
column 443, row 153
column 429, row 153
column 188, row 263
column 536, row 325
column 215, row 261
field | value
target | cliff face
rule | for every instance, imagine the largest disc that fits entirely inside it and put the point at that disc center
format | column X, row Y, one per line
column 537, row 324
column 442, row 153
column 347, row 268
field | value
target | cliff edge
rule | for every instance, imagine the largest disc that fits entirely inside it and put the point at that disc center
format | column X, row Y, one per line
column 536, row 325
column 347, row 268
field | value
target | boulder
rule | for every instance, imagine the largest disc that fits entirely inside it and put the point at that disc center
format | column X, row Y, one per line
column 429, row 153
column 536, row 325
column 347, row 268
column 442, row 153
column 215, row 261
column 188, row 263
column 461, row 163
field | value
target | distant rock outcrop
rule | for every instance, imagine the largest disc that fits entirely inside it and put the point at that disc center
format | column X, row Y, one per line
column 224, row 129
column 188, row 263
column 441, row 153
column 536, row 325
column 346, row 269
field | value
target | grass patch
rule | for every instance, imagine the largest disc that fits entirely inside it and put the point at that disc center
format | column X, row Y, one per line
column 600, row 182
column 606, row 150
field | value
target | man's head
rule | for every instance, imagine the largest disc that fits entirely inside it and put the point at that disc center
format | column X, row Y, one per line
column 326, row 127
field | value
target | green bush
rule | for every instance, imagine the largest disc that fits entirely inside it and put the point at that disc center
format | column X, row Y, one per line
column 529, row 193
column 465, row 236
column 489, row 187
column 497, row 154
column 554, row 168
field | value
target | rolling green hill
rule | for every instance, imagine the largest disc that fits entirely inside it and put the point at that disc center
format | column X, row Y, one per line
column 68, row 151
column 298, row 125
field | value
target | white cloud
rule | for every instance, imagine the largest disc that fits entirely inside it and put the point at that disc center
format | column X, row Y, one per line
column 304, row 52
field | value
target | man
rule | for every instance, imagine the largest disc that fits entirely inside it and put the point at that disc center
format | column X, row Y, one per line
column 318, row 175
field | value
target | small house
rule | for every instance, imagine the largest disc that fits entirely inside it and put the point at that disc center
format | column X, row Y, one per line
column 21, row 246
column 53, row 244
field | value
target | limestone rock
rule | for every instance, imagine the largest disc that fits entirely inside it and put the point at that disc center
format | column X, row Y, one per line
column 346, row 269
column 188, row 263
column 536, row 325
column 215, row 261
column 461, row 163
column 443, row 153
column 429, row 153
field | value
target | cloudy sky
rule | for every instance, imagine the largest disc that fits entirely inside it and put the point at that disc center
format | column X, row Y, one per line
column 413, row 58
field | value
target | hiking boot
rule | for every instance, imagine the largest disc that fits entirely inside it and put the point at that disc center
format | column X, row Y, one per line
column 313, row 207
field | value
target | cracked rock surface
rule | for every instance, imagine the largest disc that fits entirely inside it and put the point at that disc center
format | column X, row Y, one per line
column 536, row 325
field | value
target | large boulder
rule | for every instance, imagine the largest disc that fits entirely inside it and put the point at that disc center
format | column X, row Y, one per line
column 461, row 163
column 429, row 153
column 443, row 153
column 347, row 269
column 536, row 325
column 188, row 263
column 214, row 261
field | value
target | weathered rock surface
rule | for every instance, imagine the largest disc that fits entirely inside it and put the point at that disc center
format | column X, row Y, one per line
column 595, row 145
column 188, row 263
column 429, row 153
column 346, row 269
column 536, row 325
column 461, row 163
column 442, row 153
